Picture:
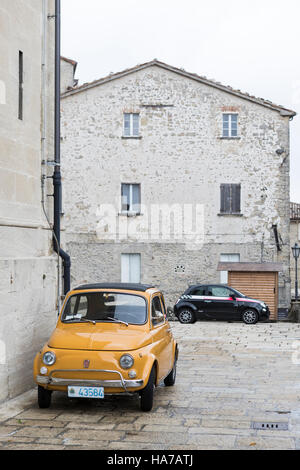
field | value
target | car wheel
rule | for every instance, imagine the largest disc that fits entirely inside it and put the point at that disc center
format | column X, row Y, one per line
column 147, row 393
column 250, row 317
column 44, row 397
column 186, row 316
column 170, row 379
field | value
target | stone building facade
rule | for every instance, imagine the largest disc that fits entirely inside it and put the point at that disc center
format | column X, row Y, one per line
column 295, row 238
column 28, row 267
column 166, row 173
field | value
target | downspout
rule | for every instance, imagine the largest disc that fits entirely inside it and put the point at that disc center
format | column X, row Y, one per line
column 44, row 133
column 57, row 173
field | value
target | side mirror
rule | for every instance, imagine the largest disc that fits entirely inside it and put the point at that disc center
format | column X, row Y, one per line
column 233, row 296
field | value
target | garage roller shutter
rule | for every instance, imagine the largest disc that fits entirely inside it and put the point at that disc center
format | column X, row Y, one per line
column 258, row 285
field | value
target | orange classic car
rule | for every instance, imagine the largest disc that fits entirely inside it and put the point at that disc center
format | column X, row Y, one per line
column 109, row 339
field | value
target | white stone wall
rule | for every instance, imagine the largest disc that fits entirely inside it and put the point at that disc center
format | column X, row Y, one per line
column 179, row 159
column 67, row 74
column 28, row 267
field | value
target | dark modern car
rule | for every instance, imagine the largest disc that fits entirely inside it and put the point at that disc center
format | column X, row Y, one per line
column 219, row 302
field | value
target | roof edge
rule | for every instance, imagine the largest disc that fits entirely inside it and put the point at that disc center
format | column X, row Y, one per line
column 285, row 112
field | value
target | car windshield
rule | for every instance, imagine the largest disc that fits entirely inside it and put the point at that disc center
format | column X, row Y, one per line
column 105, row 306
column 238, row 293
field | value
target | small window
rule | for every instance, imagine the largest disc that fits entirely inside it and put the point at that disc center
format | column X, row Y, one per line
column 21, row 81
column 131, row 125
column 131, row 198
column 228, row 258
column 218, row 291
column 199, row 291
column 230, row 125
column 230, row 198
column 157, row 312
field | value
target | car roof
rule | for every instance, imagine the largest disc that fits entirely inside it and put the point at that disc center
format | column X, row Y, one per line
column 116, row 285
column 209, row 285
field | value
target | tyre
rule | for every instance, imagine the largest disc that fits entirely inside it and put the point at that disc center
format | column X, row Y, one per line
column 147, row 393
column 44, row 397
column 250, row 317
column 170, row 379
column 186, row 315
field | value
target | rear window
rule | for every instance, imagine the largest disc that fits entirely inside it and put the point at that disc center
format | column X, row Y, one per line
column 105, row 306
column 198, row 290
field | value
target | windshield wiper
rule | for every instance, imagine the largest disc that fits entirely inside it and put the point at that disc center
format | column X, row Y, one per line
column 81, row 321
column 118, row 321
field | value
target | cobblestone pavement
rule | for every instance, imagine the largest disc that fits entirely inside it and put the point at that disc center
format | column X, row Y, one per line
column 229, row 376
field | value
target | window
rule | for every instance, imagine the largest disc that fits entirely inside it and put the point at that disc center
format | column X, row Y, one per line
column 199, row 291
column 217, row 291
column 228, row 258
column 230, row 125
column 131, row 198
column 20, row 104
column 131, row 267
column 230, row 198
column 157, row 312
column 105, row 306
column 131, row 125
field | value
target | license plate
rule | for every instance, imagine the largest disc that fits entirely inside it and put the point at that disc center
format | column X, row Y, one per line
column 86, row 392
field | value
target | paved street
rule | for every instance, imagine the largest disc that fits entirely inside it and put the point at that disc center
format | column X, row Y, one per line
column 229, row 376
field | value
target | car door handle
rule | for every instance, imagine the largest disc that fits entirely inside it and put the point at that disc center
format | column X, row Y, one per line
column 208, row 301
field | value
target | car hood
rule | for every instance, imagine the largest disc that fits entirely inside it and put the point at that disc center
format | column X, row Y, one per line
column 99, row 337
column 250, row 299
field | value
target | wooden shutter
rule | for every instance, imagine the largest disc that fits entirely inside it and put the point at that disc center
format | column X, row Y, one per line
column 230, row 198
column 225, row 198
column 235, row 198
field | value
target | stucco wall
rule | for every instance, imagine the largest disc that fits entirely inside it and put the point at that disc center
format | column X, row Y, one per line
column 179, row 159
column 28, row 267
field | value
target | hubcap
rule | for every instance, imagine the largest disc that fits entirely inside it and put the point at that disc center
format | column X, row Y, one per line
column 249, row 316
column 186, row 316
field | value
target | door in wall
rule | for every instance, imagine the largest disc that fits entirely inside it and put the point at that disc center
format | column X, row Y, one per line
column 131, row 267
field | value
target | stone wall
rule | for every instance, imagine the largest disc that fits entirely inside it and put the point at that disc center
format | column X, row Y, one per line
column 180, row 159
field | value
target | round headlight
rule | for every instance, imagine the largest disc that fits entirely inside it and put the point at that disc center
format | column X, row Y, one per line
column 126, row 361
column 49, row 358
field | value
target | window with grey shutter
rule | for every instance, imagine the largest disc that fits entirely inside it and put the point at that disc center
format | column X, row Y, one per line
column 230, row 198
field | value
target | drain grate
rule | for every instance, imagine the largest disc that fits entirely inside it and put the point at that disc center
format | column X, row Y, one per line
column 270, row 426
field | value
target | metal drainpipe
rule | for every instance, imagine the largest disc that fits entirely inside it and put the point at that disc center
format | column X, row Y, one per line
column 57, row 173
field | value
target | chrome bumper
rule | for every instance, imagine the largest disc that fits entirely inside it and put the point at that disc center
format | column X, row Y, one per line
column 122, row 383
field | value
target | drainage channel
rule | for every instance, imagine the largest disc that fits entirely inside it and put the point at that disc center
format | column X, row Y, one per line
column 274, row 426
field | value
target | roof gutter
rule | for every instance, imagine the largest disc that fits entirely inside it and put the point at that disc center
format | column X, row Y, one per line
column 57, row 173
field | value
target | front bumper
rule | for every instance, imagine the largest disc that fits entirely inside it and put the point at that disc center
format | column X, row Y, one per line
column 49, row 380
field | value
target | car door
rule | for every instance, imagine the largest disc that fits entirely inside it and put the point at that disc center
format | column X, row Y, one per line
column 219, row 303
column 197, row 296
column 161, row 336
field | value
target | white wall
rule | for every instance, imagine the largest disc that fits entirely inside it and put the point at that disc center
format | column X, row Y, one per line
column 28, row 266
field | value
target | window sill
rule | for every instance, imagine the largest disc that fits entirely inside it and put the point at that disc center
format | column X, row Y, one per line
column 131, row 137
column 130, row 214
column 229, row 138
column 228, row 214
